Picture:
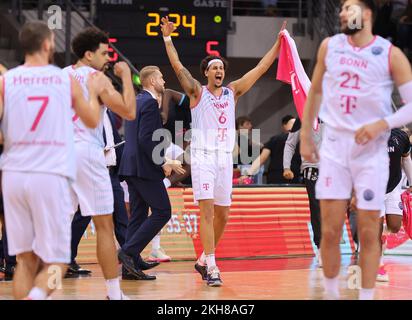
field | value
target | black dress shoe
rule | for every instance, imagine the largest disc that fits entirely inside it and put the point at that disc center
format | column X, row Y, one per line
column 74, row 268
column 146, row 265
column 128, row 263
column 2, row 267
column 140, row 275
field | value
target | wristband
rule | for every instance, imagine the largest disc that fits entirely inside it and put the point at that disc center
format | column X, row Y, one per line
column 167, row 39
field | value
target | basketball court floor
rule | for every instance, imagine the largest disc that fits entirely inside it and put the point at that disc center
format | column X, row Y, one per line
column 265, row 279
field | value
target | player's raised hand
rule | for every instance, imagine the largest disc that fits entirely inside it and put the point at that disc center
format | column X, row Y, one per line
column 370, row 131
column 167, row 26
column 122, row 69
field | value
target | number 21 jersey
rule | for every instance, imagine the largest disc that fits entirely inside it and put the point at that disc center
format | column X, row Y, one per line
column 357, row 84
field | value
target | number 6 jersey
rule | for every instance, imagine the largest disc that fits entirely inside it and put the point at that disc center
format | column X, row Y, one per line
column 357, row 84
column 213, row 122
column 37, row 121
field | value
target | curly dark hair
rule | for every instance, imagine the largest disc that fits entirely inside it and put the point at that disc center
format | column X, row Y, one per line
column 88, row 40
column 205, row 61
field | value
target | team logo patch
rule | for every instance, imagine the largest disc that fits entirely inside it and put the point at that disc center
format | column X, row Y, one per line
column 377, row 50
column 226, row 92
column 400, row 205
column 368, row 195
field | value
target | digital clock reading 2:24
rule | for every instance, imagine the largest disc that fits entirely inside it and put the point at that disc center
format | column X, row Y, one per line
column 182, row 21
column 134, row 25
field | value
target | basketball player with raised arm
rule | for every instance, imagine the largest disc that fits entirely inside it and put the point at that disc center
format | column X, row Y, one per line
column 352, row 83
column 213, row 139
column 93, row 189
column 38, row 161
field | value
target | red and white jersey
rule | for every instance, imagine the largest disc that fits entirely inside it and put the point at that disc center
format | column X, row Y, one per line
column 357, row 84
column 37, row 121
column 213, row 122
column 81, row 132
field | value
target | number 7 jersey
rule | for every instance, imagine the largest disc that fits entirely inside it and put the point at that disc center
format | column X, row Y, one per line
column 37, row 121
column 357, row 85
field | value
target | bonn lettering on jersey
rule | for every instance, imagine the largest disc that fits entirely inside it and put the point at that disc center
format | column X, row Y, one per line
column 221, row 105
column 354, row 62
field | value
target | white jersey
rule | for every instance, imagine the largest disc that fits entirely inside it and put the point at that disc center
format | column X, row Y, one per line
column 81, row 132
column 37, row 121
column 213, row 122
column 357, row 84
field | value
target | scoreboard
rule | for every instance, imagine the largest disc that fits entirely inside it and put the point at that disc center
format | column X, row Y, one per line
column 134, row 28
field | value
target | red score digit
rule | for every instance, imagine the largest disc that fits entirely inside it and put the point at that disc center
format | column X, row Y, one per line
column 115, row 56
column 209, row 49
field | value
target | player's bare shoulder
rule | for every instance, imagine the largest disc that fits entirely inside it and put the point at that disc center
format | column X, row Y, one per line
column 400, row 67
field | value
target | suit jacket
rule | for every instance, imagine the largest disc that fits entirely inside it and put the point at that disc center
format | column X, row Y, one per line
column 137, row 154
column 116, row 137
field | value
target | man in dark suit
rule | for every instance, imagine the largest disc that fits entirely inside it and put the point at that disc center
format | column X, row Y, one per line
column 144, row 170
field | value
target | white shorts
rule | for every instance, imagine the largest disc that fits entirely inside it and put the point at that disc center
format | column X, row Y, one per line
column 173, row 151
column 92, row 188
column 37, row 209
column 212, row 175
column 393, row 202
column 345, row 165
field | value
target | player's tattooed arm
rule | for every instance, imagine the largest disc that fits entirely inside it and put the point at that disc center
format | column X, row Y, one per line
column 190, row 85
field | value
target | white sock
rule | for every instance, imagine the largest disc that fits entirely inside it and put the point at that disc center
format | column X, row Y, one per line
column 156, row 243
column 366, row 294
column 37, row 294
column 210, row 261
column 331, row 286
column 202, row 259
column 113, row 289
column 167, row 182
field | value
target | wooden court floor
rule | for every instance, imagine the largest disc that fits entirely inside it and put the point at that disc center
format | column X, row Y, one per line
column 265, row 279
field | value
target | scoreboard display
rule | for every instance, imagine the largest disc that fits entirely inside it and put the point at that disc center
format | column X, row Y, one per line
column 134, row 28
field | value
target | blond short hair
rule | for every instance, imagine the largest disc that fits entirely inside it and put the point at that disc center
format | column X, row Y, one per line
column 146, row 73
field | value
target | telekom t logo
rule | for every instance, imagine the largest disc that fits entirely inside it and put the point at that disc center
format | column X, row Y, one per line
column 206, row 186
column 348, row 103
column 222, row 134
column 328, row 181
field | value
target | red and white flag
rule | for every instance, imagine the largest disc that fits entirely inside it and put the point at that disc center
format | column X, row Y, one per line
column 290, row 70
